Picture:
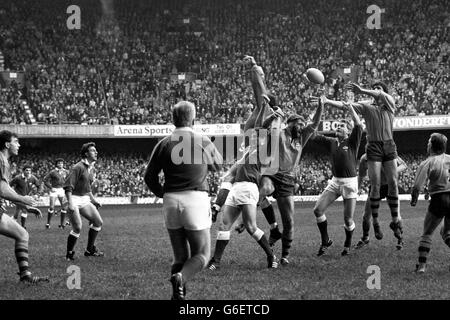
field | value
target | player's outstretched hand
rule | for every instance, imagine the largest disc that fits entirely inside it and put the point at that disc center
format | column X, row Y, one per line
column 353, row 87
column 318, row 100
column 29, row 201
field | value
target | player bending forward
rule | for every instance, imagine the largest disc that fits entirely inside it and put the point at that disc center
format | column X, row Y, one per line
column 362, row 172
column 54, row 180
column 9, row 146
column 82, row 202
column 437, row 169
column 344, row 154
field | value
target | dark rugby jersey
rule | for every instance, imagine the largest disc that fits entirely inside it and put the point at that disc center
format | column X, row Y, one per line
column 24, row 186
column 185, row 158
column 343, row 155
column 248, row 173
column 290, row 149
column 79, row 179
column 56, row 178
column 437, row 170
column 379, row 119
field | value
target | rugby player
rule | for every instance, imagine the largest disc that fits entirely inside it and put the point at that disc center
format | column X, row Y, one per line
column 54, row 181
column 381, row 149
column 292, row 140
column 362, row 172
column 437, row 169
column 9, row 146
column 23, row 184
column 82, row 203
column 185, row 198
column 343, row 152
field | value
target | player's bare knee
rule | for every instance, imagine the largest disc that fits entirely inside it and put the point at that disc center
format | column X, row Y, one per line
column 23, row 235
column 250, row 227
column 318, row 212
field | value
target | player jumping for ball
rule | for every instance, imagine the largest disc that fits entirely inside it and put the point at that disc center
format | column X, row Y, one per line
column 437, row 169
column 381, row 149
column 54, row 181
column 343, row 152
column 362, row 173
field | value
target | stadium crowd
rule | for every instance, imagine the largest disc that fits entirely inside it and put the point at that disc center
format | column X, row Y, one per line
column 118, row 68
column 119, row 176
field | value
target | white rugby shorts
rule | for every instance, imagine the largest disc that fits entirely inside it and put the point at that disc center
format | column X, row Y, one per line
column 80, row 201
column 58, row 192
column 187, row 209
column 243, row 193
column 345, row 187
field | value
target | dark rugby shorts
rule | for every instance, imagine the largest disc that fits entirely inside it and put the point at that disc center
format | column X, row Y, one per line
column 440, row 205
column 284, row 185
column 381, row 151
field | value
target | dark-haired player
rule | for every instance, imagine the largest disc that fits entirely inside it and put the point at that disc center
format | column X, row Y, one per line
column 54, row 181
column 24, row 184
column 381, row 149
column 343, row 152
column 362, row 172
column 437, row 169
column 9, row 146
column 81, row 202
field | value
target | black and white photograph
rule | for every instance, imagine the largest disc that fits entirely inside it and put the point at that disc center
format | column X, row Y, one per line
column 231, row 154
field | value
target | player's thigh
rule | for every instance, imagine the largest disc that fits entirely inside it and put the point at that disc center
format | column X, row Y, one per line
column 374, row 172
column 90, row 212
column 249, row 215
column 390, row 170
column 52, row 201
column 199, row 241
column 431, row 222
column 11, row 229
column 349, row 208
column 229, row 216
column 75, row 218
column 63, row 201
column 179, row 243
column 325, row 199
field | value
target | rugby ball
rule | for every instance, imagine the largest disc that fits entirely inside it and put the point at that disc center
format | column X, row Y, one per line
column 315, row 76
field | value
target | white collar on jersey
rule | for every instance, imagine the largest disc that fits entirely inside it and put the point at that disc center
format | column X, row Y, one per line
column 184, row 129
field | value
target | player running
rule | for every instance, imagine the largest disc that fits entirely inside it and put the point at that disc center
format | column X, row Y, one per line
column 343, row 152
column 23, row 184
column 9, row 146
column 362, row 173
column 54, row 181
column 381, row 149
column 437, row 169
column 81, row 202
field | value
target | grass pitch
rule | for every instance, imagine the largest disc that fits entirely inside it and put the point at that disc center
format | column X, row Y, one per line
column 138, row 257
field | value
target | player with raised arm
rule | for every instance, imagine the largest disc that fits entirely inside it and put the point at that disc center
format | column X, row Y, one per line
column 23, row 184
column 242, row 199
column 54, row 181
column 381, row 149
column 82, row 203
column 292, row 140
column 436, row 168
column 362, row 173
column 343, row 152
column 9, row 146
